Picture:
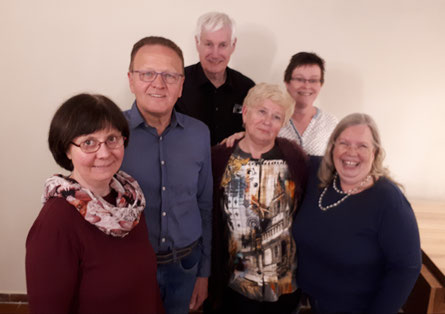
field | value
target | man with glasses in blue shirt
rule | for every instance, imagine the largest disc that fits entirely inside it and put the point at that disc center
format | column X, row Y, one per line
column 169, row 155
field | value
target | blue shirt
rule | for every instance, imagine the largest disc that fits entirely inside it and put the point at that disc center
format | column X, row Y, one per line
column 174, row 171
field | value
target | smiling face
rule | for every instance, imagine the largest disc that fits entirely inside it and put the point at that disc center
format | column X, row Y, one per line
column 353, row 155
column 305, row 93
column 95, row 170
column 156, row 98
column 215, row 49
column 263, row 122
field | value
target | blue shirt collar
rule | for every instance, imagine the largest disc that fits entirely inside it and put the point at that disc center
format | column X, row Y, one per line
column 135, row 118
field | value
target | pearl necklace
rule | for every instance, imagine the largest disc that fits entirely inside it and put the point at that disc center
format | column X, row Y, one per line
column 347, row 193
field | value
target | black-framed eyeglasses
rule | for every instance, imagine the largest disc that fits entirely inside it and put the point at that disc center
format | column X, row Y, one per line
column 92, row 145
column 303, row 80
column 150, row 76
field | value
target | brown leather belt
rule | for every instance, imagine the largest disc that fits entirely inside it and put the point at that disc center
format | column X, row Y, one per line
column 169, row 256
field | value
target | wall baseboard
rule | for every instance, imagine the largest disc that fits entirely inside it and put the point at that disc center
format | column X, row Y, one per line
column 13, row 298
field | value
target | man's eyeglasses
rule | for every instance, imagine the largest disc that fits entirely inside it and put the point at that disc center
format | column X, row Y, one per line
column 150, row 76
column 92, row 145
column 303, row 81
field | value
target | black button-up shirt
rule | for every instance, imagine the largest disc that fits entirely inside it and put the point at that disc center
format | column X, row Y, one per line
column 219, row 108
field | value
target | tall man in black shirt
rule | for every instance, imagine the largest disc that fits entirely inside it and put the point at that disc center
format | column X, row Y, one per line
column 213, row 92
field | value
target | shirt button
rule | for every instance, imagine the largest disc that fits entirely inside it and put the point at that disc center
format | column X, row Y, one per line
column 164, row 214
column 163, row 240
column 216, row 109
column 163, row 188
column 162, row 162
column 160, row 138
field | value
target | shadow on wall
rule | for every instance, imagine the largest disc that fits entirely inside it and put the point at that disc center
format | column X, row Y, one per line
column 343, row 90
column 255, row 50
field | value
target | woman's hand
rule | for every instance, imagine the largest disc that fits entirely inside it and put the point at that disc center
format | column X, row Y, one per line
column 229, row 141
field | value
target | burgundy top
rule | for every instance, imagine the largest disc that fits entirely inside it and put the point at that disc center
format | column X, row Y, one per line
column 73, row 267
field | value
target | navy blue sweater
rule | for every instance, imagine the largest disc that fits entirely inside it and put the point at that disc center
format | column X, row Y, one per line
column 362, row 256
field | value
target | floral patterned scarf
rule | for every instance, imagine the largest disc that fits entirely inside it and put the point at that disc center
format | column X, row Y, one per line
column 116, row 220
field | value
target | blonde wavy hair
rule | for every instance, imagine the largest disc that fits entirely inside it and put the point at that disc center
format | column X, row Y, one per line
column 262, row 91
column 327, row 169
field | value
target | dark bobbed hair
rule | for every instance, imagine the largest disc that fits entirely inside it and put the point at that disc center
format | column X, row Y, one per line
column 81, row 115
column 153, row 41
column 301, row 59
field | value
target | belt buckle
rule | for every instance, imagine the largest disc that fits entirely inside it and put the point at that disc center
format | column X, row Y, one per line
column 180, row 253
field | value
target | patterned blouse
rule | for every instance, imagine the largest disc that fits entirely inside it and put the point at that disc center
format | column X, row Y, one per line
column 259, row 202
column 315, row 138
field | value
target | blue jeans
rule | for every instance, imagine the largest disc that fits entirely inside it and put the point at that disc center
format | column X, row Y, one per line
column 177, row 280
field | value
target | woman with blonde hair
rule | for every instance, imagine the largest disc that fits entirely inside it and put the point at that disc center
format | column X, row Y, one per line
column 356, row 234
column 257, row 185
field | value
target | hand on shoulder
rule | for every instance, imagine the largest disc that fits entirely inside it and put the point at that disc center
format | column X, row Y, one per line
column 230, row 141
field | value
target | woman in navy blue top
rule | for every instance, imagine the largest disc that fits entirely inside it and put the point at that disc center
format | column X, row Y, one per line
column 356, row 234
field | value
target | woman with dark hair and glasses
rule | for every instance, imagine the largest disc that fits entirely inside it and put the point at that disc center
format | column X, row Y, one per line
column 88, row 250
column 309, row 126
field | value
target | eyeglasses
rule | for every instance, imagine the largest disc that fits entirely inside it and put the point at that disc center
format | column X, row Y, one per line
column 359, row 147
column 92, row 145
column 150, row 76
column 303, row 81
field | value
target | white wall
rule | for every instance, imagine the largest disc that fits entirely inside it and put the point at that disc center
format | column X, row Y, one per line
column 386, row 58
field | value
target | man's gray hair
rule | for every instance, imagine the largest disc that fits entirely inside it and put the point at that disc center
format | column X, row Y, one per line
column 214, row 21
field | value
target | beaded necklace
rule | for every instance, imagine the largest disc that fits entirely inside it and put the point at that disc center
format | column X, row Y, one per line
column 347, row 193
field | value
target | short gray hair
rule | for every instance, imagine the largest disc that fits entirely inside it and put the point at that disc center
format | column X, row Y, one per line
column 214, row 21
